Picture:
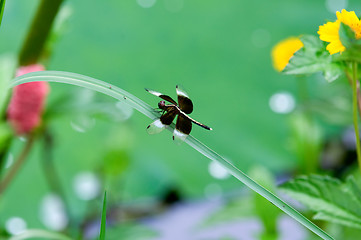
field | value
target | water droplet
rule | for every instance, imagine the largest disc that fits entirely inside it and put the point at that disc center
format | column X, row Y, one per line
column 282, row 102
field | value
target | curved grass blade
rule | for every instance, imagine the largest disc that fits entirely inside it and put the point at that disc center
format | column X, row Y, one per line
column 39, row 234
column 120, row 94
column 2, row 6
column 103, row 223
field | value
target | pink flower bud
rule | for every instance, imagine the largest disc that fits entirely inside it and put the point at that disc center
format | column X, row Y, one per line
column 27, row 102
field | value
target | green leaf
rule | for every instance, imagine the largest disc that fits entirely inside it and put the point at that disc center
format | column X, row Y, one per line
column 347, row 36
column 2, row 6
column 352, row 45
column 313, row 57
column 104, row 218
column 306, row 140
column 331, row 199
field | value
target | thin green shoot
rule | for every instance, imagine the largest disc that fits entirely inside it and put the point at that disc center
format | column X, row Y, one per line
column 144, row 108
column 103, row 223
column 2, row 7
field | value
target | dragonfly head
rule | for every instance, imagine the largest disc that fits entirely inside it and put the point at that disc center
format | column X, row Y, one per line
column 161, row 105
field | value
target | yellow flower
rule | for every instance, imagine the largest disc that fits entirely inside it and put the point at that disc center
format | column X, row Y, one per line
column 329, row 31
column 284, row 50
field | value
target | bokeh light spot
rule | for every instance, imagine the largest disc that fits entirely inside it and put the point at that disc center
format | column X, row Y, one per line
column 82, row 123
column 86, row 185
column 146, row 3
column 173, row 5
column 15, row 225
column 336, row 5
column 9, row 160
column 124, row 111
column 217, row 171
column 52, row 213
column 282, row 102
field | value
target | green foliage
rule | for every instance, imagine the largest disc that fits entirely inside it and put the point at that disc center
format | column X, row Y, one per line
column 233, row 210
column 5, row 135
column 104, row 218
column 116, row 162
column 2, row 6
column 313, row 57
column 306, row 140
column 251, row 206
column 130, row 231
column 267, row 213
column 331, row 199
column 352, row 45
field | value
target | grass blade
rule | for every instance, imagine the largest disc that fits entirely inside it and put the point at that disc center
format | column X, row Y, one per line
column 103, row 223
column 39, row 234
column 2, row 6
column 136, row 103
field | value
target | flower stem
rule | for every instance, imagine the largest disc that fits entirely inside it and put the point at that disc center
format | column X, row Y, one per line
column 144, row 108
column 355, row 112
column 39, row 31
column 18, row 163
column 349, row 78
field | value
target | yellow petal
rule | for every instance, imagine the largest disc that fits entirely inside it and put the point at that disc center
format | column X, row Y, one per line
column 335, row 47
column 329, row 31
column 284, row 50
column 347, row 18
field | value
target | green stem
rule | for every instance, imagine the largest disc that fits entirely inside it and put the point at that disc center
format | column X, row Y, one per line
column 120, row 94
column 39, row 32
column 355, row 113
column 18, row 163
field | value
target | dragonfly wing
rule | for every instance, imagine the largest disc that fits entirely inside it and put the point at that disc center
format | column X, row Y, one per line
column 155, row 127
column 182, row 129
column 161, row 95
column 166, row 119
column 184, row 102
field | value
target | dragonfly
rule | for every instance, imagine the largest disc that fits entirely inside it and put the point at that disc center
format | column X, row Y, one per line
column 170, row 111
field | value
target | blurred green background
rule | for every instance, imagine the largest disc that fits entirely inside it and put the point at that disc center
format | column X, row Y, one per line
column 218, row 50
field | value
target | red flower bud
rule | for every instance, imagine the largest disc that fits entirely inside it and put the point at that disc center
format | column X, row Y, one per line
column 27, row 102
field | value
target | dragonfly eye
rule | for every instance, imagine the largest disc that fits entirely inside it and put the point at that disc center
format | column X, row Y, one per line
column 161, row 104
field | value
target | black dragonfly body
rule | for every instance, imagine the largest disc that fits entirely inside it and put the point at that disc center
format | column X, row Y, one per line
column 184, row 107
